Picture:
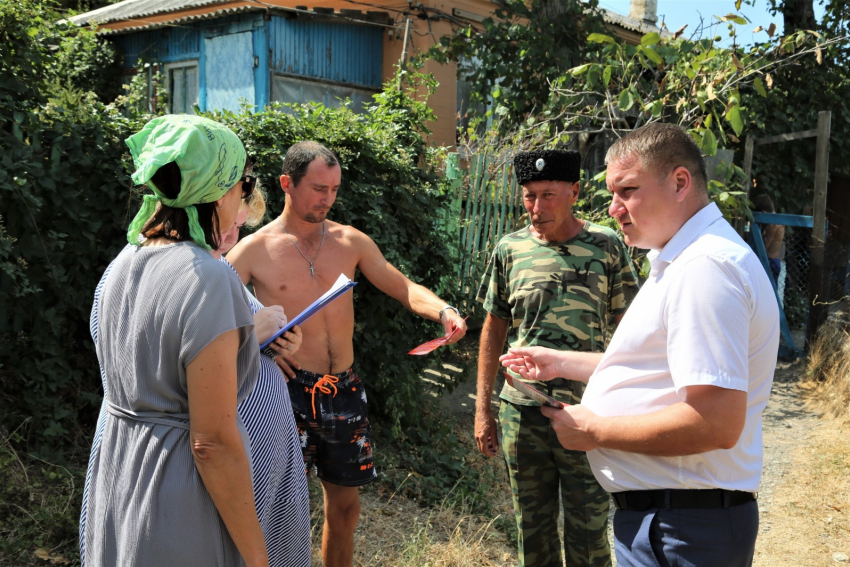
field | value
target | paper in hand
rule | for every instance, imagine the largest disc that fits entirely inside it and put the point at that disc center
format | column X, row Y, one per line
column 340, row 286
column 434, row 344
column 533, row 392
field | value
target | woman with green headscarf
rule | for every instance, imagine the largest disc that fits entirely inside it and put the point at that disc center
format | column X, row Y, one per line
column 170, row 476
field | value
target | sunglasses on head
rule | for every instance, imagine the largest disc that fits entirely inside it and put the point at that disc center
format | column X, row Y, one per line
column 248, row 184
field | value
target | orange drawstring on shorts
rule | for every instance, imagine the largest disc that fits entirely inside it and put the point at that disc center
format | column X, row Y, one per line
column 322, row 386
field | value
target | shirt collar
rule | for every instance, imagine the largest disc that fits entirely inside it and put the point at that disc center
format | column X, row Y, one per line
column 688, row 232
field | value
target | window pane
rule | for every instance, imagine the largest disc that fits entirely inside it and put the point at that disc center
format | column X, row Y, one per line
column 178, row 91
column 191, row 88
column 183, row 88
column 289, row 89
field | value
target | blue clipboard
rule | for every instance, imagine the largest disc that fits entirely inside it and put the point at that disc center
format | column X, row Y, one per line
column 341, row 285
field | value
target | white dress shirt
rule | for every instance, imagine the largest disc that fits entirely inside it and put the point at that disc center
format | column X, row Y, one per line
column 707, row 315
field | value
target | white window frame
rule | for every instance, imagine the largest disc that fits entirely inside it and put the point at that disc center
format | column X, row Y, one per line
column 168, row 68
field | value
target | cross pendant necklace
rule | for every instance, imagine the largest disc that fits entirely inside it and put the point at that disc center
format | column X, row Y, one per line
column 312, row 271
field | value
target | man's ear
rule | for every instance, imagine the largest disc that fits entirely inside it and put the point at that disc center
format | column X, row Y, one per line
column 285, row 183
column 684, row 182
column 575, row 191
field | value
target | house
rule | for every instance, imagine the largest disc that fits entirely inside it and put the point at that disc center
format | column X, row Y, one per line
column 220, row 53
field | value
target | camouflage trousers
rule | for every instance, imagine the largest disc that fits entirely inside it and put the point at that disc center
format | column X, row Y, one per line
column 537, row 464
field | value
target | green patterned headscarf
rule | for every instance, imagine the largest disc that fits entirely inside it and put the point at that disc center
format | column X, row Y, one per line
column 210, row 157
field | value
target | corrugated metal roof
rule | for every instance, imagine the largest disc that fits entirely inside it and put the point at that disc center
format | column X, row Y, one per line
column 138, row 10
column 632, row 24
column 131, row 9
column 143, row 25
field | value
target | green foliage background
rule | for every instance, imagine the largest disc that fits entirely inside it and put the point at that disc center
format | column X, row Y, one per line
column 522, row 46
column 62, row 201
column 785, row 171
column 554, row 75
column 67, row 196
column 65, row 201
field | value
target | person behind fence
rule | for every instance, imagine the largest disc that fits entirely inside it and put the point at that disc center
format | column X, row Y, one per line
column 562, row 283
column 774, row 244
column 170, row 483
column 671, row 417
column 291, row 262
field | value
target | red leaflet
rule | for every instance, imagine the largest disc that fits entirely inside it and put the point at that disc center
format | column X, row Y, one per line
column 431, row 345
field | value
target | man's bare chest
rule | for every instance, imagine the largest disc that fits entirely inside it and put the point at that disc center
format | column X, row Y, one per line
column 288, row 271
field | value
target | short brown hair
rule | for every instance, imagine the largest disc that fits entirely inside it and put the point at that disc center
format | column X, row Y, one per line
column 663, row 147
column 299, row 157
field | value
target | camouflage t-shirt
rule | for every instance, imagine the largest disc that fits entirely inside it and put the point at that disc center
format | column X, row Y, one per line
column 561, row 295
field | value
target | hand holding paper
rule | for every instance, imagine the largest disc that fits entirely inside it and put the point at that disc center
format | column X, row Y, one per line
column 432, row 345
column 454, row 325
column 533, row 393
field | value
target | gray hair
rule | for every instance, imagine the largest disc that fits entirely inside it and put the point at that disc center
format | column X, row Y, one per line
column 662, row 147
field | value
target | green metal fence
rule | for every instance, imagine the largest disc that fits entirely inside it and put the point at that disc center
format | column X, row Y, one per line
column 489, row 205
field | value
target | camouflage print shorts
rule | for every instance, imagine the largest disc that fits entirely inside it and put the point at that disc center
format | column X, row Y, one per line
column 537, row 463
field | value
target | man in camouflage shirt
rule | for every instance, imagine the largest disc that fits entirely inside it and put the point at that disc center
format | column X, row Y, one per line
column 561, row 283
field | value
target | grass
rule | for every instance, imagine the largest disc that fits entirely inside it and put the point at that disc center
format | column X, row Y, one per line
column 400, row 532
column 39, row 509
column 811, row 506
column 401, row 525
column 472, row 525
column 828, row 376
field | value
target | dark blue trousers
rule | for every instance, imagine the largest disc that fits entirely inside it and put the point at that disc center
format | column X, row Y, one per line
column 686, row 537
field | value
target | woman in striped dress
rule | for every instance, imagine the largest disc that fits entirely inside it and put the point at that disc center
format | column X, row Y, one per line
column 280, row 486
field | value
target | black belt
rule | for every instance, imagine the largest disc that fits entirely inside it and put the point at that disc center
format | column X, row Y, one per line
column 640, row 500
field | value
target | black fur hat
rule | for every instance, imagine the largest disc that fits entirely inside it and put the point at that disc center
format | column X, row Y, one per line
column 547, row 165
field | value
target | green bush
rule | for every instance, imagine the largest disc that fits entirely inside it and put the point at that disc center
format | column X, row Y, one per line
column 67, row 198
column 85, row 63
column 63, row 201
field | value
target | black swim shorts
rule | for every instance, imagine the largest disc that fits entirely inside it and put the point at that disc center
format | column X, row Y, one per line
column 333, row 425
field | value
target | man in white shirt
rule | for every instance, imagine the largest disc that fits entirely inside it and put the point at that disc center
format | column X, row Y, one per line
column 671, row 418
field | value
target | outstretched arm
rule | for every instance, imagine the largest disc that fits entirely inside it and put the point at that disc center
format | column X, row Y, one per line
column 415, row 297
column 540, row 363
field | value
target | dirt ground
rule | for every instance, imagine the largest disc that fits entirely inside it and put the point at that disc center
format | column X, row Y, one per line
column 793, row 509
column 787, row 425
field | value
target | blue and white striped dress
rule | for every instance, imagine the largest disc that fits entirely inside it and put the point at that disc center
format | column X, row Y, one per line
column 280, row 485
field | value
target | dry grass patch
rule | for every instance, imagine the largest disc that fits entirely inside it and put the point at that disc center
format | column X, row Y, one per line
column 811, row 507
column 396, row 530
column 829, row 372
column 399, row 532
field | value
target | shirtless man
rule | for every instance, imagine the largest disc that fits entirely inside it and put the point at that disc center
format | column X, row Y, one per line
column 291, row 262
